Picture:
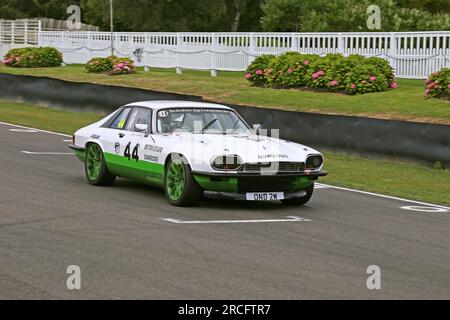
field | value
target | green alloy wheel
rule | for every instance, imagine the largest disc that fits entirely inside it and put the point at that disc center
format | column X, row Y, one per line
column 97, row 173
column 181, row 188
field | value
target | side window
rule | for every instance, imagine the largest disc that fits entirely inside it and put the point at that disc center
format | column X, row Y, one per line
column 138, row 116
column 120, row 120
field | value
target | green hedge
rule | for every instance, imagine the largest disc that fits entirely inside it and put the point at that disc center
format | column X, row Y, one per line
column 33, row 57
column 438, row 84
column 98, row 65
column 353, row 74
column 112, row 65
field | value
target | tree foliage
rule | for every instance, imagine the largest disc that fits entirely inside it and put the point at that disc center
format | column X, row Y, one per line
column 176, row 15
column 16, row 9
column 241, row 15
column 347, row 15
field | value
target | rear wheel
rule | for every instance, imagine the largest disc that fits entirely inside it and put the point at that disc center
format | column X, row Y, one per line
column 97, row 173
column 180, row 186
column 301, row 200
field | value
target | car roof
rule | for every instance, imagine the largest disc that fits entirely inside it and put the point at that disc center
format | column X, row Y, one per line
column 168, row 104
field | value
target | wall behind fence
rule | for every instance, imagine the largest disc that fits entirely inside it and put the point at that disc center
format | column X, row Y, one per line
column 77, row 96
column 412, row 54
column 408, row 140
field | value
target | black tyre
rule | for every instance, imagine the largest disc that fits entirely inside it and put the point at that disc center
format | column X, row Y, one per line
column 301, row 200
column 180, row 186
column 97, row 173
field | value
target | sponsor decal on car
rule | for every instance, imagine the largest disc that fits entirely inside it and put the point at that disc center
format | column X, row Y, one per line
column 153, row 148
column 273, row 156
column 150, row 158
column 192, row 110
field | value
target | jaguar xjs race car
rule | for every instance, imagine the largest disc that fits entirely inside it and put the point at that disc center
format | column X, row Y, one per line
column 193, row 149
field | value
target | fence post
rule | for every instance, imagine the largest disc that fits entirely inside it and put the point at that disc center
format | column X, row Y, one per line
column 38, row 33
column 13, row 38
column 294, row 42
column 340, row 46
column 252, row 48
column 144, row 53
column 25, row 36
column 89, row 44
column 393, row 45
column 213, row 56
column 178, row 67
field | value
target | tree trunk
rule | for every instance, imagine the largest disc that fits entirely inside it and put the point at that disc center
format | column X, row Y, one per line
column 237, row 17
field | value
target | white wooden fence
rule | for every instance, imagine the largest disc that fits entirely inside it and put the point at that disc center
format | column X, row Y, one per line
column 19, row 32
column 412, row 54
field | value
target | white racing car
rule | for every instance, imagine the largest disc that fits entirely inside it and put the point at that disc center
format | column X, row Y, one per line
column 193, row 149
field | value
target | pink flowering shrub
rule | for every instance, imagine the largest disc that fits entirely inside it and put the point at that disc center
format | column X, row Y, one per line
column 289, row 70
column 111, row 65
column 122, row 66
column 258, row 70
column 438, row 84
column 352, row 75
column 33, row 57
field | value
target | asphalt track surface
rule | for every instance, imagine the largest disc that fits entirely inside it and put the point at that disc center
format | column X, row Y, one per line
column 51, row 218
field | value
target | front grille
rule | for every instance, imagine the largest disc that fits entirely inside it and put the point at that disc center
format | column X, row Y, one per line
column 266, row 184
column 283, row 167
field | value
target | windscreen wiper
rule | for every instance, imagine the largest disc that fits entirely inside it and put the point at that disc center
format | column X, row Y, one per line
column 208, row 125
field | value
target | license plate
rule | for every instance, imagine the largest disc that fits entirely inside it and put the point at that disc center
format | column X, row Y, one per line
column 265, row 196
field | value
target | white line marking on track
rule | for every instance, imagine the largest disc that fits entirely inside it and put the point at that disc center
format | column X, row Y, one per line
column 318, row 184
column 424, row 209
column 47, row 153
column 67, row 140
column 38, row 130
column 387, row 197
column 23, row 130
column 289, row 219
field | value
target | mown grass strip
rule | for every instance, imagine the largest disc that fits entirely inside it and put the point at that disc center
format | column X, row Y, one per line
column 408, row 102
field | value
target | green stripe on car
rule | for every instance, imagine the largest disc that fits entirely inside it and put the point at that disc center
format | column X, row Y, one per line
column 142, row 171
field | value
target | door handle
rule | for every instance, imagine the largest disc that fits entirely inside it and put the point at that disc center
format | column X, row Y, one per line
column 121, row 135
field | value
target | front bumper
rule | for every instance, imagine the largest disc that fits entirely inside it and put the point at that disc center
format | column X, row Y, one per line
column 240, row 196
column 314, row 174
column 239, row 184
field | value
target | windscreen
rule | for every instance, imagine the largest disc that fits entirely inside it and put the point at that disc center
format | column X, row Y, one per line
column 198, row 121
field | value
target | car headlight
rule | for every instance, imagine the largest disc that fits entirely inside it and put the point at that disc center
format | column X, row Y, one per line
column 227, row 163
column 314, row 162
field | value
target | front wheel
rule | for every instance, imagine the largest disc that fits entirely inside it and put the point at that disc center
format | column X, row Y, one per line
column 180, row 186
column 301, row 200
column 97, row 173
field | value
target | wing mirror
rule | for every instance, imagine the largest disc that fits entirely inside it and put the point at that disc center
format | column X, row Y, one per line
column 257, row 128
column 140, row 127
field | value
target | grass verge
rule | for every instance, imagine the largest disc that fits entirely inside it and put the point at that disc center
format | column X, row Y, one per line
column 395, row 178
column 408, row 102
column 45, row 118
